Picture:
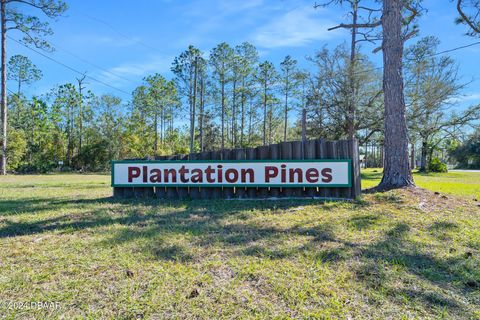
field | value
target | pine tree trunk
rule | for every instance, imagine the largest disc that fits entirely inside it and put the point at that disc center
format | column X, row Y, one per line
column 4, row 110
column 155, row 127
column 202, row 108
column 192, row 114
column 265, row 114
column 304, row 124
column 423, row 158
column 286, row 110
column 397, row 171
column 412, row 155
column 242, row 123
column 223, row 113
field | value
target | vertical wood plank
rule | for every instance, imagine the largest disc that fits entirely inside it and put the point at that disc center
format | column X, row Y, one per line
column 309, row 153
column 227, row 192
column 251, row 155
column 216, row 192
column 297, row 154
column 118, row 192
column 194, row 192
column 274, row 154
column 183, row 192
column 160, row 192
column 240, row 192
column 262, row 154
column 206, row 192
column 172, row 192
column 321, row 153
column 356, row 189
column 343, row 153
column 332, row 147
column 286, row 148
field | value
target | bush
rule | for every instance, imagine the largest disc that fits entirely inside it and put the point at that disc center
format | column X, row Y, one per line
column 436, row 165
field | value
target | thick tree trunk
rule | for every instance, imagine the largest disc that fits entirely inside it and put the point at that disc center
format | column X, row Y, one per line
column 351, row 105
column 423, row 158
column 396, row 173
column 412, row 155
column 3, row 167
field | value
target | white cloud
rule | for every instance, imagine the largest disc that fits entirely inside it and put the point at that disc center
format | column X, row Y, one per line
column 135, row 71
column 295, row 28
column 465, row 98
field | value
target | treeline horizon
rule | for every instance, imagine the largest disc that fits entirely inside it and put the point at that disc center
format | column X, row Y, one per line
column 228, row 98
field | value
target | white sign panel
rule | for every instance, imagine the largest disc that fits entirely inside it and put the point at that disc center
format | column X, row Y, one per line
column 234, row 173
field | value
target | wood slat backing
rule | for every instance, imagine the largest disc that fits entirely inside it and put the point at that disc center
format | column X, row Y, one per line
column 228, row 192
column 250, row 154
column 216, row 191
column 263, row 153
column 309, row 149
column 297, row 154
column 274, row 154
column 240, row 154
column 206, row 193
column 183, row 192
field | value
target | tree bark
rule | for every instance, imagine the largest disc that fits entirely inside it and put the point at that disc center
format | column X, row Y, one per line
column 265, row 114
column 412, row 155
column 397, row 171
column 3, row 167
column 202, row 108
column 351, row 105
column 194, row 102
column 423, row 158
column 286, row 108
column 304, row 124
column 223, row 112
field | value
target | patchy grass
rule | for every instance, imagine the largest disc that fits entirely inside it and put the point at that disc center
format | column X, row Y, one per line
column 401, row 254
column 466, row 184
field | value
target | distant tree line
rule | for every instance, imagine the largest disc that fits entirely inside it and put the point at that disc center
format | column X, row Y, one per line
column 229, row 98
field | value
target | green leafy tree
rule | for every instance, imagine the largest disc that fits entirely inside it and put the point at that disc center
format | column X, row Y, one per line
column 14, row 15
column 267, row 77
column 289, row 68
column 22, row 71
column 220, row 60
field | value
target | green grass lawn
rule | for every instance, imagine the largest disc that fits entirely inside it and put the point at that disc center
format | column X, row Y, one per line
column 405, row 254
column 456, row 183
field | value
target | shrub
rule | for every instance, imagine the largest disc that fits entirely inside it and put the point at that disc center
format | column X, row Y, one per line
column 436, row 165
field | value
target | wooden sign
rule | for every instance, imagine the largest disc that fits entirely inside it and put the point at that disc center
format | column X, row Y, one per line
column 234, row 173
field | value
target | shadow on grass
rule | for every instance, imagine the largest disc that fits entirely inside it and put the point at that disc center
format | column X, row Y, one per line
column 226, row 225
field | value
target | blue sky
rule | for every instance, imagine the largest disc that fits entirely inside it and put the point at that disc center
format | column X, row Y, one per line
column 132, row 39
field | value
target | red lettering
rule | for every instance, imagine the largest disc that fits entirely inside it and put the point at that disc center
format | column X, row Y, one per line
column 197, row 176
column 145, row 174
column 250, row 174
column 311, row 175
column 270, row 172
column 228, row 175
column 299, row 174
column 172, row 173
column 284, row 173
column 327, row 175
column 209, row 171
column 155, row 175
column 219, row 173
column 182, row 172
column 133, row 172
